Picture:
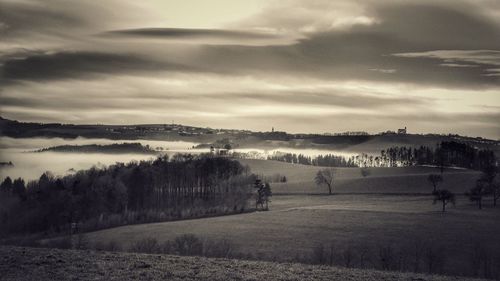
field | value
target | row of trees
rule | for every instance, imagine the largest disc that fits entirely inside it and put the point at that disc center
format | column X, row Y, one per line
column 132, row 147
column 161, row 189
column 328, row 160
column 445, row 154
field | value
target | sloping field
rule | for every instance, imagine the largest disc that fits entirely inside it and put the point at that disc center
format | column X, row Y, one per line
column 399, row 180
column 356, row 220
column 49, row 264
column 392, row 206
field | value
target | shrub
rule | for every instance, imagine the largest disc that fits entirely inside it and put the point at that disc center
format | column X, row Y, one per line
column 188, row 245
column 219, row 249
column 147, row 245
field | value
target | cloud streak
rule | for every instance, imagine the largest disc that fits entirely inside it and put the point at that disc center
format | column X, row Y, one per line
column 63, row 65
column 205, row 36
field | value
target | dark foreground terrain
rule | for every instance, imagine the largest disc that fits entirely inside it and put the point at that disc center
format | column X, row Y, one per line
column 18, row 263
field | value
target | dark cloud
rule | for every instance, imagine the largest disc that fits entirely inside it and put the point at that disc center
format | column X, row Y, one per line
column 62, row 65
column 25, row 17
column 191, row 33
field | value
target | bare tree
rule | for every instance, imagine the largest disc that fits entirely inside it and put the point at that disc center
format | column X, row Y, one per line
column 363, row 251
column 385, row 256
column 434, row 179
column 434, row 258
column 325, row 177
column 418, row 253
column 477, row 193
column 495, row 192
column 445, row 196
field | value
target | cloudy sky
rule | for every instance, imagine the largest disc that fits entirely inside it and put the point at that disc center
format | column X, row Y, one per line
column 299, row 66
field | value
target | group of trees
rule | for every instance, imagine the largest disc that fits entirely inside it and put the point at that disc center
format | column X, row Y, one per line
column 328, row 160
column 133, row 147
column 446, row 154
column 154, row 190
column 488, row 184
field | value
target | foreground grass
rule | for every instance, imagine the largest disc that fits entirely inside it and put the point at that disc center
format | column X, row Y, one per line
column 51, row 264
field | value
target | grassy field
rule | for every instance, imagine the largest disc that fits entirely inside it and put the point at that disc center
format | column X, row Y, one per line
column 391, row 207
column 306, row 221
column 50, row 264
column 401, row 180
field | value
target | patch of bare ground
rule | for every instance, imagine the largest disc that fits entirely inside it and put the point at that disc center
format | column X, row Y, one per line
column 18, row 263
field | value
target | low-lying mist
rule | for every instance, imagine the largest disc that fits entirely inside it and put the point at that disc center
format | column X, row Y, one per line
column 30, row 165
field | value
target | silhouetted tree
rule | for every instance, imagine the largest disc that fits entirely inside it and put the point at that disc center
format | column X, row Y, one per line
column 325, row 177
column 434, row 179
column 495, row 192
column 477, row 193
column 445, row 196
column 6, row 185
column 263, row 194
column 490, row 172
column 267, row 194
column 19, row 188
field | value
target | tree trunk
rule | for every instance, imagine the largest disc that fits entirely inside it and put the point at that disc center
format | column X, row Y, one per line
column 444, row 206
column 479, row 203
column 329, row 189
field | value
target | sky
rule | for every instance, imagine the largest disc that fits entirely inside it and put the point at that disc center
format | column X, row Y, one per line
column 309, row 66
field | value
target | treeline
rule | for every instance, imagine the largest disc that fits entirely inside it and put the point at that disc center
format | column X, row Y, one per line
column 156, row 190
column 445, row 154
column 328, row 160
column 96, row 148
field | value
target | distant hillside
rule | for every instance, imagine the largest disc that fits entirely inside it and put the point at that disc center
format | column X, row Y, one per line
column 361, row 143
column 50, row 264
column 115, row 148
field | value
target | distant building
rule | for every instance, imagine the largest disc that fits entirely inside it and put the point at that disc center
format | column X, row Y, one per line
column 402, row 131
column 349, row 133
